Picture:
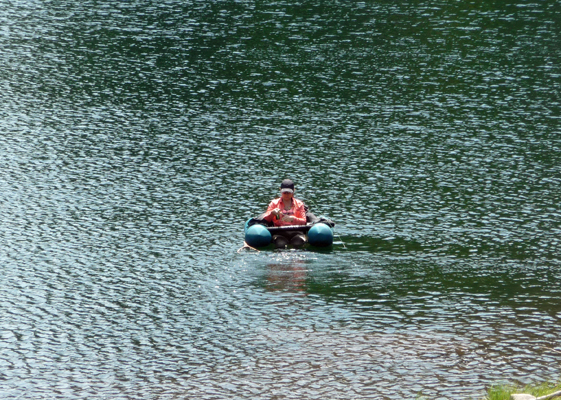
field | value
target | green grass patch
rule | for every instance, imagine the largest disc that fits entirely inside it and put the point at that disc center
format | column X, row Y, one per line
column 503, row 392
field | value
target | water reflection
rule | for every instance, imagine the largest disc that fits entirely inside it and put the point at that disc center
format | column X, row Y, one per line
column 288, row 274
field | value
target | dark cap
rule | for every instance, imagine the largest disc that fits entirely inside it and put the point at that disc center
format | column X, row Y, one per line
column 287, row 186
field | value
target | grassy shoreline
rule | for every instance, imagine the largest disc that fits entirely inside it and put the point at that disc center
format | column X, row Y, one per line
column 503, row 391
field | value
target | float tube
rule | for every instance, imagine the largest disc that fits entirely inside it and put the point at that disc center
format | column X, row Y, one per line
column 318, row 233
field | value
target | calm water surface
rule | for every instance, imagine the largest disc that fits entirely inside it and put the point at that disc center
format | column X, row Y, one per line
column 136, row 137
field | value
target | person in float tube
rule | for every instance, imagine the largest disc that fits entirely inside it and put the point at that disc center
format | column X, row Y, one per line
column 286, row 210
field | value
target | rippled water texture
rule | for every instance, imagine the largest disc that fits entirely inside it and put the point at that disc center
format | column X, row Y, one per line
column 137, row 137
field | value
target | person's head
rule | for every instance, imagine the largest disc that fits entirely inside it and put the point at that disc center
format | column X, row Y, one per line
column 287, row 189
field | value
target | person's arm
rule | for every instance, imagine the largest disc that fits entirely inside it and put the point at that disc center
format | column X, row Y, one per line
column 300, row 216
column 271, row 215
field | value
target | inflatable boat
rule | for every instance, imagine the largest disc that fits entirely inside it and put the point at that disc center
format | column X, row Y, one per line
column 317, row 232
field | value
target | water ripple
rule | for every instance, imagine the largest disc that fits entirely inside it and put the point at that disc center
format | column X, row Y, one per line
column 137, row 138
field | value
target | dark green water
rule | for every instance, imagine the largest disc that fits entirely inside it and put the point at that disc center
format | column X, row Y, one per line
column 136, row 137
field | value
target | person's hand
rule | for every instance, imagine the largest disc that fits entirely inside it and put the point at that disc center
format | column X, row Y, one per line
column 288, row 218
column 276, row 212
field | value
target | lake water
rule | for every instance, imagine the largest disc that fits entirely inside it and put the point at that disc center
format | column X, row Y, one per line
column 137, row 137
